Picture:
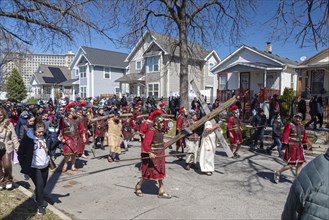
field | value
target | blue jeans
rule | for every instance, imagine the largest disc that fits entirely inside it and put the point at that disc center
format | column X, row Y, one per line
column 277, row 142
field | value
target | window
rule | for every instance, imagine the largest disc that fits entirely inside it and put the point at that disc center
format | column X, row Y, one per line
column 116, row 90
column 139, row 64
column 317, row 81
column 244, row 80
column 76, row 72
column 152, row 64
column 222, row 82
column 153, row 90
column 83, row 91
column 292, row 81
column 82, row 71
column 211, row 65
column 107, row 73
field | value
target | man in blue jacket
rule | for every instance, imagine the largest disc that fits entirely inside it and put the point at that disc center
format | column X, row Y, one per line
column 309, row 194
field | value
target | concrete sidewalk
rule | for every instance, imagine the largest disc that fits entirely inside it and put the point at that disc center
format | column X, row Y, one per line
column 239, row 189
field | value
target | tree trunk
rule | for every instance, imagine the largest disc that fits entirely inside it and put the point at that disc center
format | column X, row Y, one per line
column 183, row 64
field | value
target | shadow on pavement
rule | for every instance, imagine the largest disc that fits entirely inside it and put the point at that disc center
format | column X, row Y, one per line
column 26, row 210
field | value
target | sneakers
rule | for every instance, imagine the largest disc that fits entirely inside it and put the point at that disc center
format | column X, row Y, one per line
column 187, row 167
column 41, row 210
column 9, row 185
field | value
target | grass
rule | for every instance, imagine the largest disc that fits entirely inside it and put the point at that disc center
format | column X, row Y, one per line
column 16, row 205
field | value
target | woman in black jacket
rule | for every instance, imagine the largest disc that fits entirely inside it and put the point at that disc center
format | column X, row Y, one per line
column 34, row 161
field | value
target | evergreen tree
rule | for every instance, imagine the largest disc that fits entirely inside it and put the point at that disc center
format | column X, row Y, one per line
column 15, row 88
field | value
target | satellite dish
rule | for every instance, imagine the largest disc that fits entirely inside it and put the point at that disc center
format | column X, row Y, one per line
column 303, row 58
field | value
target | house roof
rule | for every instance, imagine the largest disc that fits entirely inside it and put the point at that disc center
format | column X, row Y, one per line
column 132, row 77
column 169, row 45
column 314, row 57
column 281, row 61
column 102, row 57
column 251, row 65
column 69, row 82
column 48, row 74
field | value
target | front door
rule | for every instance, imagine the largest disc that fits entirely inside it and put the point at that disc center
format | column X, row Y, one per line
column 244, row 81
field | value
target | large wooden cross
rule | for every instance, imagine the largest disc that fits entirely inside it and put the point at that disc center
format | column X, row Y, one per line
column 201, row 121
column 219, row 135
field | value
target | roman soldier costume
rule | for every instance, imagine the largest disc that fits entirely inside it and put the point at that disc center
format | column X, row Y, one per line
column 153, row 152
column 100, row 127
column 71, row 129
column 234, row 131
column 180, row 120
column 294, row 136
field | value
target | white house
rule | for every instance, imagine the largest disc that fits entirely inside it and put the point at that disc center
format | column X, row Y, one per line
column 248, row 71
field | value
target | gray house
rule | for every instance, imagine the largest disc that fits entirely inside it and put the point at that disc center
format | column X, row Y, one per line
column 97, row 71
column 154, row 67
column 53, row 82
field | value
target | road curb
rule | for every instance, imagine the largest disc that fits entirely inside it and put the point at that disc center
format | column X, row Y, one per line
column 29, row 194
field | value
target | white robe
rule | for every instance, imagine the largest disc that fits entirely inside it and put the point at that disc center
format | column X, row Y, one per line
column 208, row 148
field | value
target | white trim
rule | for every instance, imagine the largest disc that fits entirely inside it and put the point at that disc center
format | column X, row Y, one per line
column 92, row 74
column 135, row 48
column 154, row 42
column 147, row 65
column 141, row 61
column 215, row 55
column 248, row 48
column 109, row 72
column 153, row 83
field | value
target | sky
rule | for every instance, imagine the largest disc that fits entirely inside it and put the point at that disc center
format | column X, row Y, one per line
column 255, row 36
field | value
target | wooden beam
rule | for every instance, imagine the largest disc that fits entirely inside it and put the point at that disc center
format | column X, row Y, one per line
column 219, row 135
column 200, row 122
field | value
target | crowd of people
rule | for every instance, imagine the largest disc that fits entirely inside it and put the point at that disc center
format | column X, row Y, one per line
column 41, row 132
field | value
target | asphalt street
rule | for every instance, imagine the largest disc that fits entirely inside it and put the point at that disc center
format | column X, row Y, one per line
column 239, row 188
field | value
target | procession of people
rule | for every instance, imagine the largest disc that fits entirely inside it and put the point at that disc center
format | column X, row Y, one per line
column 68, row 129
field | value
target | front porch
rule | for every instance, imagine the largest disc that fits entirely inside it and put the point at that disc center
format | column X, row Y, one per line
column 132, row 85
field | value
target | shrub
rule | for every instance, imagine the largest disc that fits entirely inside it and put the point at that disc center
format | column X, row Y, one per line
column 286, row 101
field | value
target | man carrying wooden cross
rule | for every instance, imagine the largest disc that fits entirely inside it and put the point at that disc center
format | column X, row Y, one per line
column 153, row 150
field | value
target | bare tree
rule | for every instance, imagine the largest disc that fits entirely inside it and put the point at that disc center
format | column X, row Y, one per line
column 306, row 21
column 49, row 23
column 197, row 21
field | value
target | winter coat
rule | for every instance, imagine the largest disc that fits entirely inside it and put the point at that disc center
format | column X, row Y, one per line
column 308, row 198
column 11, row 140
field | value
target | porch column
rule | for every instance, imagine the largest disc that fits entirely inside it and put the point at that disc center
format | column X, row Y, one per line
column 138, row 90
column 265, row 74
column 239, row 78
column 52, row 92
column 73, row 92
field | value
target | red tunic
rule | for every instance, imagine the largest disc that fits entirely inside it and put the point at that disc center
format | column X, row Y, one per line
column 72, row 129
column 179, row 124
column 100, row 127
column 127, row 126
column 153, row 169
column 85, row 122
column 234, row 127
column 295, row 136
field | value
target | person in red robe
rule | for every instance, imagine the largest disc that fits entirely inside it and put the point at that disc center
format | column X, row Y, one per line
column 234, row 131
column 153, row 166
column 71, row 129
column 100, row 129
column 180, row 144
column 85, row 121
column 294, row 138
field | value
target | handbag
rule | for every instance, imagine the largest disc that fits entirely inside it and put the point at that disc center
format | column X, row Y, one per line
column 52, row 164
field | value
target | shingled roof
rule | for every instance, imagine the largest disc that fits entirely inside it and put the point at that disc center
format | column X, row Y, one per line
column 48, row 74
column 170, row 46
column 108, row 58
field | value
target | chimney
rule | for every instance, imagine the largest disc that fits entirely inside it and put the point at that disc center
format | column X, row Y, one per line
column 268, row 47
